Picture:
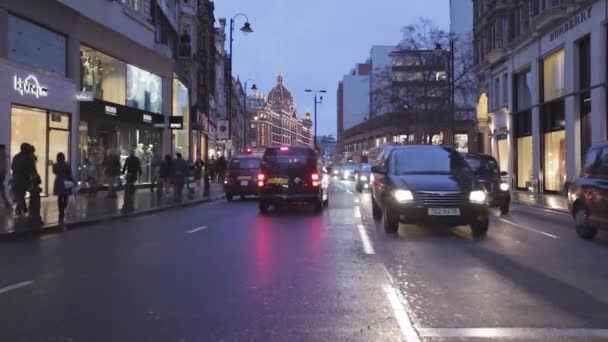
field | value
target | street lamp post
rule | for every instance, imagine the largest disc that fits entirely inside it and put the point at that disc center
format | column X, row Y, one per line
column 246, row 29
column 316, row 102
column 451, row 82
column 245, row 116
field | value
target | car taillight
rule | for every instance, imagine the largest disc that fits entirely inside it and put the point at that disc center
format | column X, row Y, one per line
column 284, row 148
column 261, row 178
column 315, row 179
column 226, row 181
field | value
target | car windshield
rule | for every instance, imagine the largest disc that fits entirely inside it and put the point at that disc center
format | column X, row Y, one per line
column 366, row 167
column 244, row 163
column 426, row 160
column 483, row 166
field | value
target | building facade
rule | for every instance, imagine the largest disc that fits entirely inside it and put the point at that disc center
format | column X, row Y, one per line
column 275, row 120
column 543, row 104
column 86, row 78
column 356, row 96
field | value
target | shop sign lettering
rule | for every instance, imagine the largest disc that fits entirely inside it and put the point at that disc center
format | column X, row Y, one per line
column 30, row 86
column 147, row 118
column 110, row 110
column 577, row 19
column 84, row 96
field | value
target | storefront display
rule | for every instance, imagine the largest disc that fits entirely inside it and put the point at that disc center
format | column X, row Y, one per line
column 461, row 142
column 555, row 160
column 144, row 90
column 103, row 76
column 48, row 132
column 107, row 128
column 524, row 163
column 181, row 108
column 503, row 153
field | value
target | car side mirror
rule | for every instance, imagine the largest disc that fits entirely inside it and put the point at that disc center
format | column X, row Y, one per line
column 378, row 169
column 503, row 173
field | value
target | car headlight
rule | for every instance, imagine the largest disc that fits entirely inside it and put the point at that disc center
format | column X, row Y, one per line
column 477, row 196
column 336, row 172
column 346, row 173
column 504, row 186
column 363, row 178
column 403, row 196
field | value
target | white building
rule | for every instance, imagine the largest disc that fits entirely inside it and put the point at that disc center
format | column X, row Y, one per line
column 543, row 102
column 356, row 96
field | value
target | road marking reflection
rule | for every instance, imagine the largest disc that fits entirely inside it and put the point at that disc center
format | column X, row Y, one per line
column 405, row 324
column 195, row 230
column 527, row 228
column 368, row 248
column 357, row 211
column 16, row 286
column 515, row 333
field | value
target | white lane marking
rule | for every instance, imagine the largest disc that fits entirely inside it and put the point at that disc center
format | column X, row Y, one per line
column 527, row 228
column 368, row 248
column 345, row 189
column 16, row 286
column 405, row 324
column 195, row 230
column 357, row 211
column 519, row 333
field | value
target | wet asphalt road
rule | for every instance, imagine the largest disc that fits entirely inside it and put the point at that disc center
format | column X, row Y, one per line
column 222, row 272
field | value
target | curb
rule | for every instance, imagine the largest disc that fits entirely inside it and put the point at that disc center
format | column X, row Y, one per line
column 559, row 211
column 56, row 227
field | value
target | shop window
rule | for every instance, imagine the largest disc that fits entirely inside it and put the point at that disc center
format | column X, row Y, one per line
column 553, row 115
column 524, row 162
column 553, row 76
column 144, row 90
column 503, row 153
column 505, row 89
column 102, row 75
column 181, row 107
column 36, row 46
column 523, row 90
column 555, row 160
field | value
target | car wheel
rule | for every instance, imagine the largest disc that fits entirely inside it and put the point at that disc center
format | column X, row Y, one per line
column 583, row 229
column 504, row 209
column 390, row 221
column 376, row 211
column 479, row 228
column 229, row 197
column 263, row 207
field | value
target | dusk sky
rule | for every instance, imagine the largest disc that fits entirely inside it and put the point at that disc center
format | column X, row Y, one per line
column 313, row 43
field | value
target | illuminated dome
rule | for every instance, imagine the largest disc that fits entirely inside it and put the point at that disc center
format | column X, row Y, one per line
column 280, row 98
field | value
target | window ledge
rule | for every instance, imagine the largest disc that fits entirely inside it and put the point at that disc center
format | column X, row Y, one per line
column 137, row 17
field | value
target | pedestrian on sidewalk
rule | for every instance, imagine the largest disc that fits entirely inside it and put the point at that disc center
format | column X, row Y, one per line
column 164, row 174
column 64, row 184
column 133, row 169
column 3, row 172
column 221, row 168
column 156, row 163
column 24, row 171
column 111, row 166
column 198, row 172
column 180, row 172
column 211, row 166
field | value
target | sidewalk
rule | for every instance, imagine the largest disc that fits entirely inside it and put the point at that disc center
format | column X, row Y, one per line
column 87, row 209
column 545, row 201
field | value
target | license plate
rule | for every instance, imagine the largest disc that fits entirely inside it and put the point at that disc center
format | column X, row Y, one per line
column 277, row 181
column 244, row 183
column 244, row 178
column 444, row 211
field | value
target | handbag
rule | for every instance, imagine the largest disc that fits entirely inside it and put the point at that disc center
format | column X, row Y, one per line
column 69, row 185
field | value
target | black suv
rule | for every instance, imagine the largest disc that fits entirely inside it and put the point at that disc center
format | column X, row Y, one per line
column 427, row 184
column 588, row 194
column 487, row 172
column 291, row 174
column 241, row 176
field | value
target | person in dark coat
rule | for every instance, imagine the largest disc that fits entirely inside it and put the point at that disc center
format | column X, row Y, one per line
column 132, row 167
column 3, row 171
column 164, row 174
column 220, row 167
column 64, row 184
column 180, row 172
column 24, row 172
column 111, row 166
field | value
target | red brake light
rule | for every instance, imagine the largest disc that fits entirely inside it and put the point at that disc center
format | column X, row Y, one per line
column 284, row 148
column 261, row 177
column 315, row 176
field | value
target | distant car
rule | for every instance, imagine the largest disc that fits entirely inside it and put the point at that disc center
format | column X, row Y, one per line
column 348, row 171
column 240, row 178
column 363, row 177
column 489, row 175
column 588, row 194
column 427, row 184
column 292, row 174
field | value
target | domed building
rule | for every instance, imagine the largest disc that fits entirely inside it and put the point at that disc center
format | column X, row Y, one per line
column 275, row 119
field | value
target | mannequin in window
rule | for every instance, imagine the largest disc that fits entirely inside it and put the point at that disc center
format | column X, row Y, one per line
column 98, row 79
column 88, row 75
column 146, row 163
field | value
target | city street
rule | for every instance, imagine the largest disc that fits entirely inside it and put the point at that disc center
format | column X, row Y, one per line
column 223, row 272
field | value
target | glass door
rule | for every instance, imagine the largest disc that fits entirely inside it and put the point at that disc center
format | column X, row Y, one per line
column 59, row 141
